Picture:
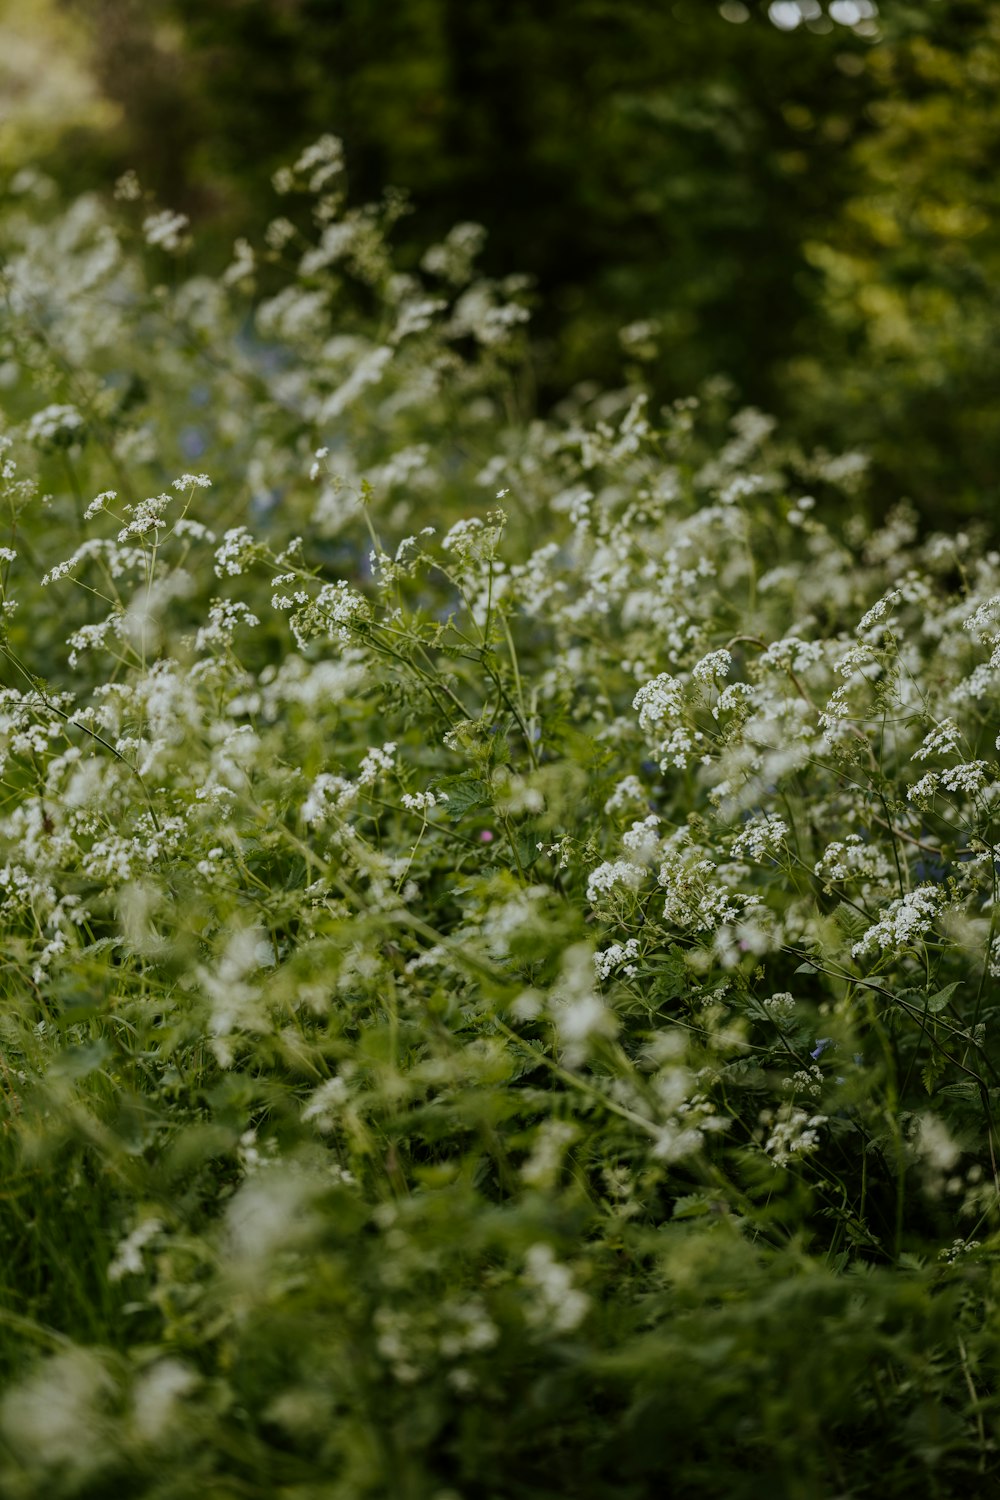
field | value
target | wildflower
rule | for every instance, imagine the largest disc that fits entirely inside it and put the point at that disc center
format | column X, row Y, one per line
column 794, row 1134
column 54, row 426
column 878, row 611
column 238, row 547
column 127, row 1260
column 627, row 792
column 166, row 230
column 904, row 923
column 422, row 802
column 762, row 835
column 99, row 503
column 617, row 956
column 558, row 1306
column 941, row 740
column 612, row 875
column 711, row 667
column 659, row 702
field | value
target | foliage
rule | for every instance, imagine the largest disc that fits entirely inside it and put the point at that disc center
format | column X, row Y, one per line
column 902, row 344
column 503, row 1009
column 644, row 163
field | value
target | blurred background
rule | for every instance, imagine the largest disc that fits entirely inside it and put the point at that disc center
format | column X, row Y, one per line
column 794, row 204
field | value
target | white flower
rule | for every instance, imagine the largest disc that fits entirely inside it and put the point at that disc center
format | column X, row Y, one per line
column 377, row 763
column 617, row 956
column 851, row 859
column 716, row 664
column 325, row 1103
column 939, row 741
column 235, row 552
column 659, row 702
column 127, row 1260
column 422, row 802
column 558, row 1305
column 627, row 792
column 98, row 504
column 795, row 1134
column 764, row 834
column 156, row 1400
column 167, row 230
column 904, row 922
column 878, row 611
column 612, row 875
column 54, row 424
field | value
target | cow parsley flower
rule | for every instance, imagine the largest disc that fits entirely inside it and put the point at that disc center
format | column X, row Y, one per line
column 613, row 875
column 940, row 741
column 762, row 835
column 617, row 956
column 166, row 230
column 795, row 1134
column 711, row 667
column 904, row 922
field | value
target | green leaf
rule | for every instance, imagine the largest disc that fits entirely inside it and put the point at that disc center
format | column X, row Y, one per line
column 79, row 1062
column 932, row 1071
column 527, row 849
column 693, row 1206
column 940, row 1000
column 464, row 793
column 850, row 922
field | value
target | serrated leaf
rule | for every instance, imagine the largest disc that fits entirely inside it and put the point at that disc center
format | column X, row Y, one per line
column 464, row 793
column 693, row 1206
column 940, row 1000
column 965, row 1090
column 527, row 850
column 931, row 1071
column 850, row 922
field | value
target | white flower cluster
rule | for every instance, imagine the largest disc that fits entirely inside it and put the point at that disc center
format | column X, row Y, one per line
column 224, row 616
column 617, row 956
column 903, row 924
column 317, row 166
column 711, row 667
column 965, row 780
column 335, row 613
column 626, row 793
column 613, row 875
column 54, row 424
column 659, row 702
column 558, row 1305
column 793, row 1135
column 878, row 611
column 127, row 1260
column 422, row 802
column 760, row 836
column 780, row 1008
column 166, row 230
column 940, row 741
column 235, row 552
column 697, row 895
column 376, row 763
column 661, row 709
column 984, row 625
column 792, row 652
column 328, row 794
column 853, row 858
